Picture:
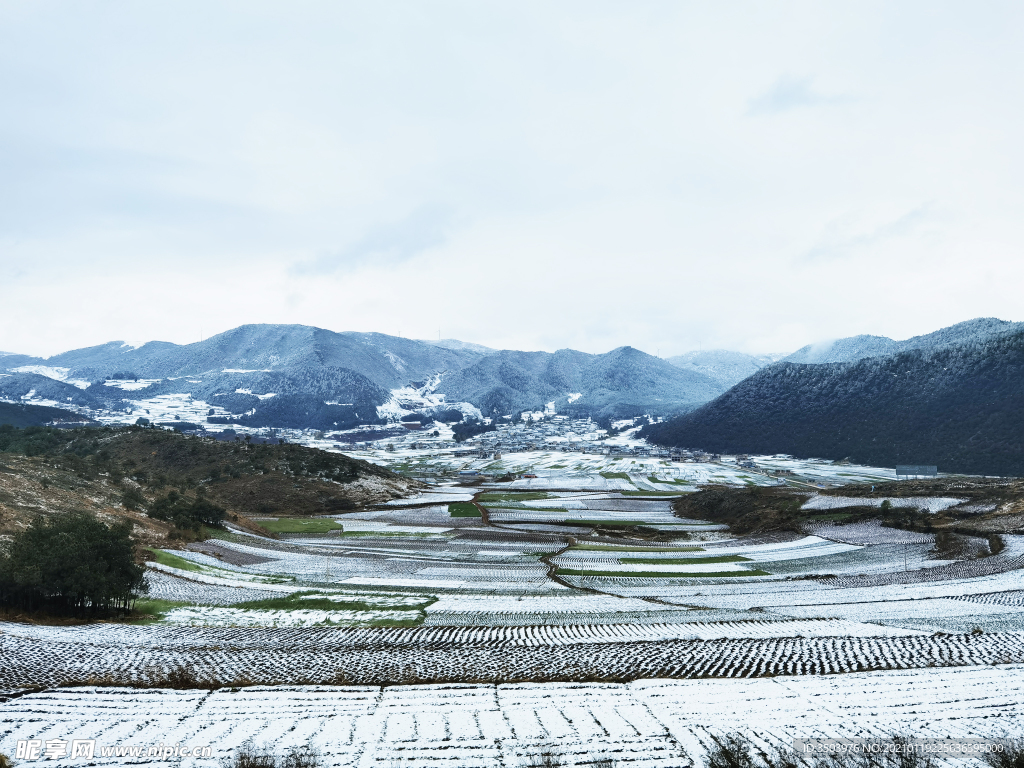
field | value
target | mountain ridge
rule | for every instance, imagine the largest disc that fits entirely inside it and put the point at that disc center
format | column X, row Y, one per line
column 859, row 347
column 957, row 405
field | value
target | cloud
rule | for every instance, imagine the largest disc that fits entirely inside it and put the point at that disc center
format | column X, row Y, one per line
column 787, row 94
column 388, row 244
column 836, row 244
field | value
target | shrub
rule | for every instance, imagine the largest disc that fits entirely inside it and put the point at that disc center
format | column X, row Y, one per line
column 449, row 416
column 187, row 513
column 733, row 751
column 468, row 429
column 248, row 755
column 1010, row 754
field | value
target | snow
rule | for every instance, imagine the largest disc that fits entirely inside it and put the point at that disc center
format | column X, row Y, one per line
column 130, row 385
column 646, row 724
column 249, row 392
column 52, row 372
column 399, row 582
column 237, row 617
column 929, row 503
column 572, row 397
column 208, row 577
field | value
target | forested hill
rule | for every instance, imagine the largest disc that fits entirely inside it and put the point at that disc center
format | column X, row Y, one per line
column 958, row 406
column 618, row 384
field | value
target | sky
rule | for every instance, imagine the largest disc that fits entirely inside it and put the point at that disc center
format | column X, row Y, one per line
column 524, row 175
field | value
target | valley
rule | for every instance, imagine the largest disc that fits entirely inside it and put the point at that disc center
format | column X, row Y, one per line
column 432, row 534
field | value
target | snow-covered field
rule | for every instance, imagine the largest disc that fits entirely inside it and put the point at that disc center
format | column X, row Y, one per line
column 644, row 724
column 464, row 571
column 409, row 594
column 928, row 504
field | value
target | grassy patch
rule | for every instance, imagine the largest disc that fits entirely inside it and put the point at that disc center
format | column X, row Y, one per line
column 831, row 516
column 683, row 560
column 299, row 525
column 163, row 557
column 216, row 533
column 317, row 601
column 389, row 534
column 672, row 494
column 615, row 476
column 614, row 548
column 463, row 509
column 153, row 610
column 499, row 496
column 173, row 561
column 661, row 575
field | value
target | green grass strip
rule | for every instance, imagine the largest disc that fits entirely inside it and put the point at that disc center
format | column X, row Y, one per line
column 683, row 560
column 173, row 561
column 463, row 509
column 615, row 548
column 155, row 609
column 499, row 496
column 651, row 493
column 662, row 575
column 615, row 476
column 390, row 534
column 298, row 525
column 316, row 601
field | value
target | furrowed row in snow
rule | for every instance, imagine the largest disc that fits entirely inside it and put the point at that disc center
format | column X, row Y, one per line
column 211, row 657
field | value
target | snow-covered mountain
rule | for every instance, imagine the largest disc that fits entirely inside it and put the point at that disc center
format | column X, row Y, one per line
column 621, row 383
column 951, row 398
column 460, row 345
column 300, row 376
column 723, row 366
column 859, row 347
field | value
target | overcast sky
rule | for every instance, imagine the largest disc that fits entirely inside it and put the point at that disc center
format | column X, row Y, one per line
column 529, row 175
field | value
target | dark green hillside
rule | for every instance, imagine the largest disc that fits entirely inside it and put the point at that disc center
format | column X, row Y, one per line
column 19, row 385
column 18, row 415
column 959, row 406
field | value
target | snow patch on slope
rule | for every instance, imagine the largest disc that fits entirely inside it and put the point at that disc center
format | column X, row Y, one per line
column 52, row 372
column 409, row 399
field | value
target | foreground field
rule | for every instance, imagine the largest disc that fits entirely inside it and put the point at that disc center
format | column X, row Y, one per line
column 613, row 623
column 211, row 657
column 646, row 724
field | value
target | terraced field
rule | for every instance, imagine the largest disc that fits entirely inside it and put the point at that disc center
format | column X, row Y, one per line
column 644, row 724
column 549, row 588
column 419, row 565
column 148, row 656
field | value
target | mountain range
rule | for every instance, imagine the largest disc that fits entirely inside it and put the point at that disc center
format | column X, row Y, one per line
column 305, row 377
column 858, row 347
column 725, row 367
column 953, row 398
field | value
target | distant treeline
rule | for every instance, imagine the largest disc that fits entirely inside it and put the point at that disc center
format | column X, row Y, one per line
column 18, row 415
column 467, row 429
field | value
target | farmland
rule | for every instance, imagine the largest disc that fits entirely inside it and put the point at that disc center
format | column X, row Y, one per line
column 646, row 724
column 479, row 595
